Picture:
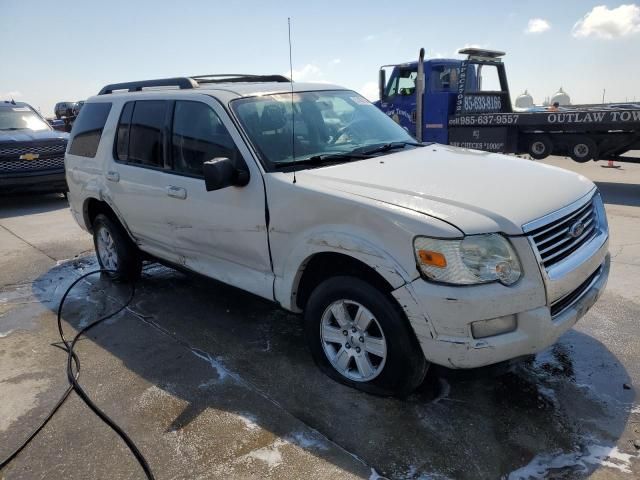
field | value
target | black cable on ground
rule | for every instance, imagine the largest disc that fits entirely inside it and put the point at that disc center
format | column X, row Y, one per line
column 72, row 377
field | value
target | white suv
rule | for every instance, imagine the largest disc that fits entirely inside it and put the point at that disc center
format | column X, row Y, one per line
column 399, row 254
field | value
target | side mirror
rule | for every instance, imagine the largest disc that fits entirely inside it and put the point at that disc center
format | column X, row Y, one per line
column 382, row 83
column 221, row 172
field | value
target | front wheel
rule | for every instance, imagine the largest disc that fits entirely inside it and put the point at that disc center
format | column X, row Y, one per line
column 358, row 336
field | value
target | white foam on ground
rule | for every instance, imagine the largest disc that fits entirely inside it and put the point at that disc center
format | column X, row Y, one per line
column 215, row 363
column 375, row 475
column 250, row 421
column 306, row 441
column 270, row 454
column 591, row 456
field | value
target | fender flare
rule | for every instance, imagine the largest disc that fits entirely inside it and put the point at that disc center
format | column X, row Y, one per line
column 97, row 195
column 285, row 286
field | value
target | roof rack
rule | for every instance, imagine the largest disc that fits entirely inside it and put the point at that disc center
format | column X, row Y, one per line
column 238, row 77
column 190, row 82
column 180, row 82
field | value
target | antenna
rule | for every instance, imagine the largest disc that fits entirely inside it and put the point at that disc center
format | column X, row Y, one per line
column 293, row 112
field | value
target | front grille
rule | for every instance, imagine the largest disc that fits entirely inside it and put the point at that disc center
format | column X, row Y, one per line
column 554, row 241
column 19, row 166
column 567, row 301
column 40, row 148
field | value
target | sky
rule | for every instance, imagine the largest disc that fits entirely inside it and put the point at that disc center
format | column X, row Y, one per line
column 67, row 50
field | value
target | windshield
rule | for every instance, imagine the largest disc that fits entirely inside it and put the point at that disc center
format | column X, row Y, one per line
column 325, row 123
column 21, row 118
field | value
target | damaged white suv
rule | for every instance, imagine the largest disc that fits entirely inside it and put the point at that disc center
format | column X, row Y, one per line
column 399, row 254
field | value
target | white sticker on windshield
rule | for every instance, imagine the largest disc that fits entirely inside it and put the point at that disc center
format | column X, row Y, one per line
column 21, row 109
column 361, row 101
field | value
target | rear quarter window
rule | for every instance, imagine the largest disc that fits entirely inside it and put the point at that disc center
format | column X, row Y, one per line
column 87, row 129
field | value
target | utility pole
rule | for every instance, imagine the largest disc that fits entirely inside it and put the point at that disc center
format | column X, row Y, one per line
column 603, row 92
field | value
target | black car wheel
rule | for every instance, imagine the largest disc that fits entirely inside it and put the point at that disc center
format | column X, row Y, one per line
column 360, row 337
column 540, row 147
column 583, row 149
column 115, row 250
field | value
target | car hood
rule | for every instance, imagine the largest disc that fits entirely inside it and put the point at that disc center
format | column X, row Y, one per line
column 477, row 192
column 14, row 136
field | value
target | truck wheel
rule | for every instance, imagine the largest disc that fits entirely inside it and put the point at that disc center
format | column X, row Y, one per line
column 583, row 149
column 540, row 147
column 358, row 336
column 115, row 250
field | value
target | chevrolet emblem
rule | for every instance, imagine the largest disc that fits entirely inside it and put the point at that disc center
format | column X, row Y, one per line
column 29, row 156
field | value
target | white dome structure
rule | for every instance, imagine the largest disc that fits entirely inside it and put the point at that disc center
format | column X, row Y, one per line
column 561, row 97
column 525, row 100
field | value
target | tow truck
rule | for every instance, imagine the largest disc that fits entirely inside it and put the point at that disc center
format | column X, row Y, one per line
column 466, row 103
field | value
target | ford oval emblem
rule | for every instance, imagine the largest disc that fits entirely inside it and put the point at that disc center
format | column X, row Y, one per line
column 576, row 229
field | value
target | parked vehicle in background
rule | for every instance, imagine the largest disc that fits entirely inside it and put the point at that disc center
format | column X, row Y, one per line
column 466, row 103
column 57, row 124
column 398, row 253
column 64, row 109
column 77, row 107
column 31, row 152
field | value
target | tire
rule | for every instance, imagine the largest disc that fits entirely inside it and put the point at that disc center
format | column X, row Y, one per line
column 583, row 149
column 540, row 147
column 115, row 250
column 398, row 365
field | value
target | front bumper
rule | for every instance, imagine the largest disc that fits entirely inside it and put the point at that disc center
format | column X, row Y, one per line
column 49, row 181
column 441, row 316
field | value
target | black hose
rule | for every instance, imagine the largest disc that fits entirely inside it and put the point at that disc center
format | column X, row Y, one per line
column 74, row 385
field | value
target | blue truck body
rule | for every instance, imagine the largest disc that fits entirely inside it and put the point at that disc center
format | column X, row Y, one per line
column 467, row 103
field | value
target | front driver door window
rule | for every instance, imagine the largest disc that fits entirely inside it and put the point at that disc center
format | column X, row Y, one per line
column 401, row 95
column 198, row 135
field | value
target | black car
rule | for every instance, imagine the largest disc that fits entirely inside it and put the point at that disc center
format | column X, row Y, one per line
column 31, row 152
column 64, row 109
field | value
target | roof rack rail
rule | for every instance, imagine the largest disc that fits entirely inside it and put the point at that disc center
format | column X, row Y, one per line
column 180, row 82
column 191, row 82
column 238, row 77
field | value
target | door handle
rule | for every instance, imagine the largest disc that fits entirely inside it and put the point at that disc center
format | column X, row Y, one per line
column 113, row 176
column 176, row 192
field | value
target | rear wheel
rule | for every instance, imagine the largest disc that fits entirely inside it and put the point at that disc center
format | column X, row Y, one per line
column 540, row 147
column 358, row 336
column 115, row 250
column 583, row 149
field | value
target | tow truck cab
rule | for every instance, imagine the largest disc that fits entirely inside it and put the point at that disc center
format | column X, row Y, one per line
column 476, row 84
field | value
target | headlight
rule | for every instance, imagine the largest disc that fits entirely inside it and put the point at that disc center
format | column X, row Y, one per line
column 471, row 260
column 600, row 212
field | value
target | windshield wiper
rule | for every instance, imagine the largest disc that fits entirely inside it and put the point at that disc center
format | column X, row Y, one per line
column 14, row 128
column 386, row 147
column 324, row 158
column 359, row 153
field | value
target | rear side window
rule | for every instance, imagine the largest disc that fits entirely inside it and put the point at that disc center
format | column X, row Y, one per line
column 198, row 136
column 87, row 129
column 140, row 136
